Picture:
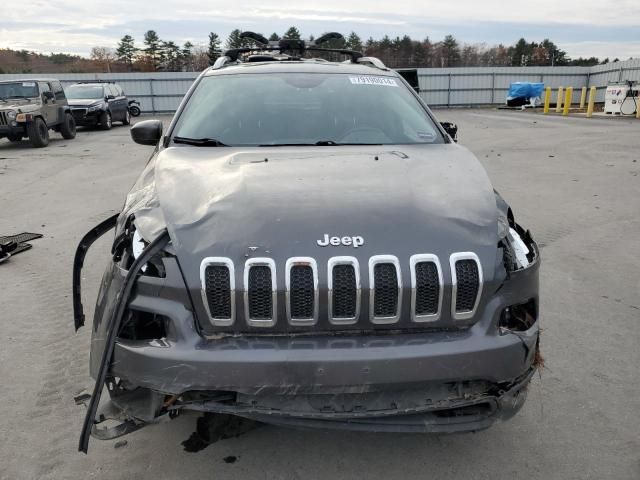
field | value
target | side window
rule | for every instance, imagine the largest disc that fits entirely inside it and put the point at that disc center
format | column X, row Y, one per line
column 111, row 90
column 58, row 92
column 44, row 87
column 119, row 90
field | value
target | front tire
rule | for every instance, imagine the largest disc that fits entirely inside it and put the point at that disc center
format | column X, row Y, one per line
column 127, row 118
column 106, row 121
column 68, row 127
column 38, row 133
column 135, row 111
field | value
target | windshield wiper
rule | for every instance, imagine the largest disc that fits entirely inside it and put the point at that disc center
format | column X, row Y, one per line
column 199, row 142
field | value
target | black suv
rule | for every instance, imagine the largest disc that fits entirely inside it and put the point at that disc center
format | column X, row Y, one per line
column 98, row 103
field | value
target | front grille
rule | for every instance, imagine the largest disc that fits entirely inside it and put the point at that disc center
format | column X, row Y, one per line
column 78, row 113
column 301, row 292
column 307, row 303
column 468, row 282
column 427, row 289
column 4, row 120
column 218, row 291
column 344, row 292
column 260, row 293
column 385, row 290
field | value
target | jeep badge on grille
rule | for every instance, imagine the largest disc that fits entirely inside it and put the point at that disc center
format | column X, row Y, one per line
column 355, row 241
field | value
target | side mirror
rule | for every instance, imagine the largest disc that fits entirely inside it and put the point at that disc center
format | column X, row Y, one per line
column 47, row 95
column 110, row 97
column 451, row 129
column 147, row 132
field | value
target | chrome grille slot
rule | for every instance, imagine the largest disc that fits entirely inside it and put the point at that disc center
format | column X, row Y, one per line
column 466, row 273
column 302, row 291
column 426, row 288
column 344, row 290
column 260, row 292
column 385, row 289
column 4, row 120
column 217, row 277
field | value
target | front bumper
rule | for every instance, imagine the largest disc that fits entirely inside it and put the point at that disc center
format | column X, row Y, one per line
column 85, row 118
column 10, row 129
column 424, row 381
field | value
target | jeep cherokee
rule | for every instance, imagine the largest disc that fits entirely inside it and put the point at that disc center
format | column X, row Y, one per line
column 308, row 246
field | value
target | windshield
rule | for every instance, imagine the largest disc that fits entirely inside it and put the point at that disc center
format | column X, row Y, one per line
column 304, row 109
column 18, row 90
column 78, row 92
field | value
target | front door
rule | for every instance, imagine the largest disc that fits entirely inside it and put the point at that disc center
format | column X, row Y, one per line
column 49, row 105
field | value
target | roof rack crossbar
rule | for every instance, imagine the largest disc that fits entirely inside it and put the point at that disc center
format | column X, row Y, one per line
column 289, row 45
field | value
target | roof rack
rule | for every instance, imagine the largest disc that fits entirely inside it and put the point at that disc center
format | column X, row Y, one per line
column 292, row 47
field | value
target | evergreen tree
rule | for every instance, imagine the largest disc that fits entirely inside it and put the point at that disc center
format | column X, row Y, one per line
column 186, row 57
column 293, row 32
column 274, row 37
column 171, row 56
column 213, row 51
column 126, row 50
column 354, row 42
column 153, row 50
column 234, row 40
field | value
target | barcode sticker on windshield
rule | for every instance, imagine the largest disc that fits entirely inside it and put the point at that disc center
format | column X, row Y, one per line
column 371, row 80
column 28, row 84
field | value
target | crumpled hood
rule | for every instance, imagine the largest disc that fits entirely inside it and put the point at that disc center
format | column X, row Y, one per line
column 278, row 202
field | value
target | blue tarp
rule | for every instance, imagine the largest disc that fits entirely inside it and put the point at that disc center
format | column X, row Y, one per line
column 525, row 90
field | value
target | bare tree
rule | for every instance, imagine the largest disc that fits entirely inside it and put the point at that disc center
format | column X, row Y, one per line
column 104, row 56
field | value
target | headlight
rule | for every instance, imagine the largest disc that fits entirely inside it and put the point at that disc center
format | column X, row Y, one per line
column 11, row 114
column 95, row 107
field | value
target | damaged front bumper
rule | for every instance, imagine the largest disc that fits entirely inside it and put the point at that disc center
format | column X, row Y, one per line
column 431, row 381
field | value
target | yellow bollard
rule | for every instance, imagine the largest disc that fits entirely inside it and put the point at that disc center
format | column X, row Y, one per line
column 567, row 101
column 592, row 101
column 559, row 100
column 547, row 99
column 583, row 97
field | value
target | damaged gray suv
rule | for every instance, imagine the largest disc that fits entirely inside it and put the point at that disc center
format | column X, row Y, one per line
column 307, row 246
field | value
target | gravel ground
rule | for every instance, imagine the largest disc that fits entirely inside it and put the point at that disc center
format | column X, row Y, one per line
column 574, row 182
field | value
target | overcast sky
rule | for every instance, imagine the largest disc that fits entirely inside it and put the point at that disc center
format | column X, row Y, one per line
column 603, row 28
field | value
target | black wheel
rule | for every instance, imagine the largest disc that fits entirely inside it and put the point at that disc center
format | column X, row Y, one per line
column 105, row 121
column 68, row 127
column 14, row 138
column 38, row 133
column 127, row 118
column 135, row 111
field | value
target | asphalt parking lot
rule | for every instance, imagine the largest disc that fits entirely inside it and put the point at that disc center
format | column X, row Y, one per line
column 574, row 182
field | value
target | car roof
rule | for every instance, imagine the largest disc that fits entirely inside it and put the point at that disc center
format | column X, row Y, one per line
column 13, row 80
column 299, row 66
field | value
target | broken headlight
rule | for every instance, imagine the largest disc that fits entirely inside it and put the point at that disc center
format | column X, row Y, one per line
column 129, row 245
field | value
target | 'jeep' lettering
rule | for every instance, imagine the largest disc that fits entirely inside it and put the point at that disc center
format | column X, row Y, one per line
column 355, row 241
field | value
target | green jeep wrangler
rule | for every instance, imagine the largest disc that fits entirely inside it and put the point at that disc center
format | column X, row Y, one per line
column 29, row 108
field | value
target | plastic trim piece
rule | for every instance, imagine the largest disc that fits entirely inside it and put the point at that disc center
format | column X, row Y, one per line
column 333, row 261
column 265, row 262
column 413, row 261
column 225, row 262
column 455, row 257
column 308, row 262
column 373, row 261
